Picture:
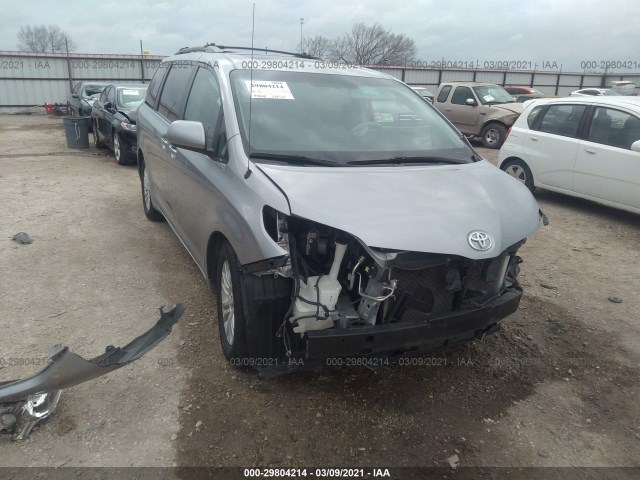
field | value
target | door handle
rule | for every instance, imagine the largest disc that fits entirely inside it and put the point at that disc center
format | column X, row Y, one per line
column 592, row 151
column 447, row 109
column 533, row 139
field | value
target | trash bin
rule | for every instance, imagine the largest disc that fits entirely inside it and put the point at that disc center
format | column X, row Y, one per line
column 76, row 130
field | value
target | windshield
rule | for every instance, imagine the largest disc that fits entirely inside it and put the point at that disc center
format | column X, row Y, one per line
column 339, row 119
column 491, row 95
column 90, row 90
column 131, row 97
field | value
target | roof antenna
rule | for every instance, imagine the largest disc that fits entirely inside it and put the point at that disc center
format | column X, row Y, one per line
column 253, row 29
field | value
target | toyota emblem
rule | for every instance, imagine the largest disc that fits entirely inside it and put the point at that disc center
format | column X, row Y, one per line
column 480, row 240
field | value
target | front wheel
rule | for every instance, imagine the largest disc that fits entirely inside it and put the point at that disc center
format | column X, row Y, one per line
column 120, row 155
column 231, row 315
column 149, row 210
column 493, row 135
column 519, row 170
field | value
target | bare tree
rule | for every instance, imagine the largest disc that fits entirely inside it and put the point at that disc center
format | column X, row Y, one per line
column 373, row 45
column 317, row 46
column 44, row 38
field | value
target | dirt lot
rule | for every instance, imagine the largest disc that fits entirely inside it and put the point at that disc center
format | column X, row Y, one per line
column 558, row 386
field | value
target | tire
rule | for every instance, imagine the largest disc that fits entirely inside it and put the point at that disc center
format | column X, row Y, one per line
column 519, row 170
column 147, row 203
column 493, row 135
column 231, row 315
column 96, row 140
column 121, row 156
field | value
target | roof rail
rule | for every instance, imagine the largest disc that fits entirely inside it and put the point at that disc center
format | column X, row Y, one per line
column 209, row 47
column 213, row 48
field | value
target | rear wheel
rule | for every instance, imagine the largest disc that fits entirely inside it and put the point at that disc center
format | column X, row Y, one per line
column 519, row 170
column 493, row 135
column 150, row 212
column 96, row 139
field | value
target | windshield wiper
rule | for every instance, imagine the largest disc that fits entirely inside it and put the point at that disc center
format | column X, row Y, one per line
column 407, row 160
column 297, row 159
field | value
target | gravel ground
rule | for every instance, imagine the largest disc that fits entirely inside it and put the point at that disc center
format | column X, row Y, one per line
column 558, row 386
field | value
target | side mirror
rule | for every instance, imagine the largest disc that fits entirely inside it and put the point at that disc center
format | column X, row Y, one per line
column 635, row 146
column 75, row 95
column 188, row 135
column 107, row 105
column 470, row 101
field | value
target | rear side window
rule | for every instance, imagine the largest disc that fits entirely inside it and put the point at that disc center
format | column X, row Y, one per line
column 444, row 93
column 205, row 104
column 613, row 127
column 461, row 95
column 154, row 86
column 562, row 119
column 174, row 90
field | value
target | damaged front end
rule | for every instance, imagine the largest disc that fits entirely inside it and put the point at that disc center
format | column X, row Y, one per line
column 23, row 403
column 347, row 299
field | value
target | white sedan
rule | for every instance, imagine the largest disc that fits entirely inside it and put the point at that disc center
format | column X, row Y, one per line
column 587, row 147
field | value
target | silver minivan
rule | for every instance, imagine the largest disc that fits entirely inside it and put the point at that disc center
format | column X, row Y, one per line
column 333, row 212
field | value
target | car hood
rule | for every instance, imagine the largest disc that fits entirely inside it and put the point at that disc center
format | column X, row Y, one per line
column 510, row 107
column 415, row 208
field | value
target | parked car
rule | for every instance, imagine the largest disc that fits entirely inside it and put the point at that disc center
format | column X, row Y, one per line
column 522, row 94
column 587, row 147
column 114, row 120
column 333, row 213
column 593, row 92
column 482, row 110
column 82, row 96
column 425, row 92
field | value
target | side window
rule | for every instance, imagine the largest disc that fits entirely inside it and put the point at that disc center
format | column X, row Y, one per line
column 205, row 104
column 533, row 116
column 154, row 86
column 174, row 90
column 461, row 95
column 444, row 94
column 613, row 127
column 562, row 119
column 111, row 95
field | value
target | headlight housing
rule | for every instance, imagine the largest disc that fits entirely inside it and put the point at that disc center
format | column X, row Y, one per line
column 131, row 127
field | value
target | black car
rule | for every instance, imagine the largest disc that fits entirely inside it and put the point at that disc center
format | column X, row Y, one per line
column 113, row 118
column 82, row 97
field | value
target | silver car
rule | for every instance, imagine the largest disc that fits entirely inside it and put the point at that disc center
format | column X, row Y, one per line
column 333, row 212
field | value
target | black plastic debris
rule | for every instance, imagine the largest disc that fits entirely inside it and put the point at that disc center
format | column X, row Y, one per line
column 615, row 299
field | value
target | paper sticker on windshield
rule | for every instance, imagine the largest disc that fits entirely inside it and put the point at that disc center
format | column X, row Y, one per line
column 130, row 92
column 269, row 89
column 488, row 98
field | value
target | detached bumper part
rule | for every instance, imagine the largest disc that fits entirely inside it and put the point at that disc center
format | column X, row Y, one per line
column 23, row 403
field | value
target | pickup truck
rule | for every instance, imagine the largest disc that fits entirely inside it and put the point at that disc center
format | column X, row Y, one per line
column 480, row 110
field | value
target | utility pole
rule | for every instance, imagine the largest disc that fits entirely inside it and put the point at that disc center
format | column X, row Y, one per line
column 301, row 23
column 141, row 62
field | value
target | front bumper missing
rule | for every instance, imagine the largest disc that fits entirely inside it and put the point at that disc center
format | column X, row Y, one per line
column 23, row 403
column 406, row 337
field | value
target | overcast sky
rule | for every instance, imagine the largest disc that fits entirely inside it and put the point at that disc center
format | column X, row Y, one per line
column 564, row 31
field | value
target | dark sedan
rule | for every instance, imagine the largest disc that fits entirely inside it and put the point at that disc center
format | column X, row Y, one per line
column 114, row 120
column 82, row 97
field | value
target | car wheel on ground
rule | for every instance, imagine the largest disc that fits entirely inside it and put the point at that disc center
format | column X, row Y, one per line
column 231, row 315
column 493, row 135
column 520, row 171
column 147, row 203
column 96, row 140
column 117, row 150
